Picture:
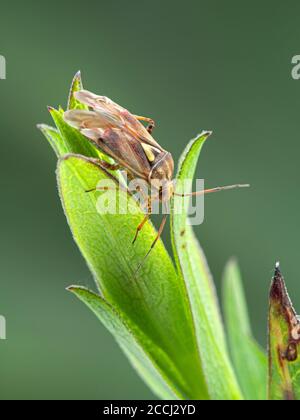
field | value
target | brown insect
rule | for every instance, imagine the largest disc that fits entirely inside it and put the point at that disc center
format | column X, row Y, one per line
column 122, row 136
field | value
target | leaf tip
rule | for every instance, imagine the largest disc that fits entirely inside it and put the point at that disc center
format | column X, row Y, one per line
column 279, row 294
column 76, row 289
column 230, row 265
column 233, row 260
column 205, row 133
column 278, row 290
column 77, row 75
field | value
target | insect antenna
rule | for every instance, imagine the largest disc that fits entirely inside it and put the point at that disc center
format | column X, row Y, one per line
column 212, row 190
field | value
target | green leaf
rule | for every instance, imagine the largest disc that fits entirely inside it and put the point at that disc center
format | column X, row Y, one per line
column 284, row 343
column 249, row 360
column 221, row 381
column 146, row 357
column 75, row 87
column 154, row 299
column 54, row 138
column 65, row 139
column 74, row 141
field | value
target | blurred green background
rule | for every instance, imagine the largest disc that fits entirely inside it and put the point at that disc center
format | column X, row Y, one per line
column 190, row 65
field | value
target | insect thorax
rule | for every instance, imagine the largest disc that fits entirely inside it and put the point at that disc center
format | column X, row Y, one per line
column 162, row 168
column 161, row 175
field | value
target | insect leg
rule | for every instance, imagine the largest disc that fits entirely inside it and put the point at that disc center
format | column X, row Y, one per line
column 140, row 227
column 106, row 165
column 100, row 189
column 160, row 230
column 143, row 222
column 151, row 123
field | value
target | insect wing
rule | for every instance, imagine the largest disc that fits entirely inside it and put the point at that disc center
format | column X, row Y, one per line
column 120, row 116
column 81, row 119
column 116, row 132
column 123, row 148
column 133, row 125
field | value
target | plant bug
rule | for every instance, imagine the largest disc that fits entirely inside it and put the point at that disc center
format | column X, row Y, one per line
column 122, row 136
